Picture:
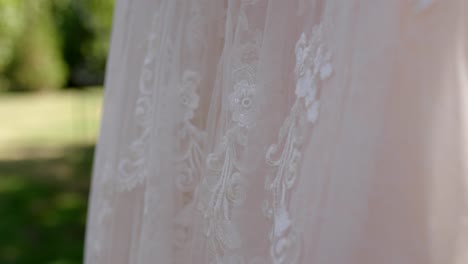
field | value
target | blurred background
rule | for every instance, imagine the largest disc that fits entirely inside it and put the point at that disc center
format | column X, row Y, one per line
column 52, row 64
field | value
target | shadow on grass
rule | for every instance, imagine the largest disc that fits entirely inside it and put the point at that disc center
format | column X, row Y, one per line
column 43, row 207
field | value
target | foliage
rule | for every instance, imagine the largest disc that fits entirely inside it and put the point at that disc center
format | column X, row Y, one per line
column 85, row 26
column 37, row 63
column 12, row 22
column 11, row 25
column 48, row 44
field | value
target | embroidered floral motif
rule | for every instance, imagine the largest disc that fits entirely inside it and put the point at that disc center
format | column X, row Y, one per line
column 228, row 188
column 133, row 167
column 240, row 102
column 188, row 93
column 313, row 67
column 190, row 139
column 225, row 185
column 226, row 192
column 190, row 148
column 311, row 71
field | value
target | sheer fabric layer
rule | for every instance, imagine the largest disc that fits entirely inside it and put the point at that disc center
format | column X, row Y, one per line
column 270, row 131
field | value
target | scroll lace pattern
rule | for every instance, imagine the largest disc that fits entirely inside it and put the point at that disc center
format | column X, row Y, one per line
column 225, row 182
column 190, row 160
column 103, row 212
column 313, row 68
column 133, row 167
column 190, row 141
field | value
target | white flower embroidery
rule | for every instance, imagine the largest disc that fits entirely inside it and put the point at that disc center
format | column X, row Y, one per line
column 190, row 137
column 189, row 146
column 240, row 102
column 133, row 165
column 313, row 67
column 188, row 93
column 224, row 187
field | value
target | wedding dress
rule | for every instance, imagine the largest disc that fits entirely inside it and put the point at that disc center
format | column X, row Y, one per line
column 283, row 131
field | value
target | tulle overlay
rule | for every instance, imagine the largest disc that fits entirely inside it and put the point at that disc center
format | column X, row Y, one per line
column 283, row 132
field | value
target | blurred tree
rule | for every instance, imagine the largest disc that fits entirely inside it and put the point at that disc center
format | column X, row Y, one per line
column 37, row 63
column 11, row 25
column 47, row 44
column 85, row 26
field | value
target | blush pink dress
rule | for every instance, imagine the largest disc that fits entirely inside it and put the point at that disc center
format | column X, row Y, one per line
column 283, row 132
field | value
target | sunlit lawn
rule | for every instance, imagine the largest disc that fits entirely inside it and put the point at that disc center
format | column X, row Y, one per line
column 50, row 119
column 46, row 148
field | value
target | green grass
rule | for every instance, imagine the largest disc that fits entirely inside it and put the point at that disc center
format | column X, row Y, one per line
column 49, row 119
column 46, row 152
column 43, row 207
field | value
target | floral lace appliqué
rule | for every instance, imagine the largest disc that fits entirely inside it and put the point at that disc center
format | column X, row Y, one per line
column 133, row 166
column 188, row 96
column 190, row 142
column 190, row 139
column 313, row 68
column 225, row 185
column 240, row 102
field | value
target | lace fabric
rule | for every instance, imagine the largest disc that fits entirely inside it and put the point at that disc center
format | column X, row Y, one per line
column 269, row 131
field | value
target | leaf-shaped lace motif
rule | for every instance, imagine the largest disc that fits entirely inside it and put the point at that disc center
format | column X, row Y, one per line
column 313, row 67
column 102, row 211
column 133, row 166
column 190, row 142
column 189, row 138
column 225, row 182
